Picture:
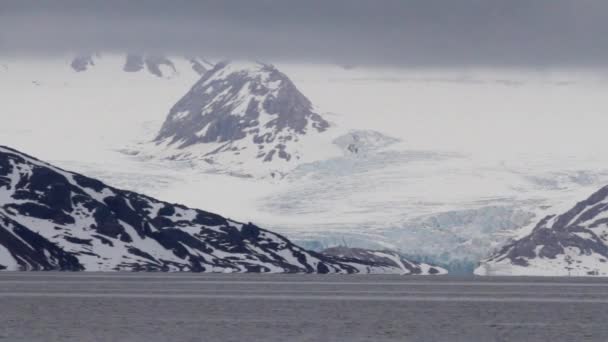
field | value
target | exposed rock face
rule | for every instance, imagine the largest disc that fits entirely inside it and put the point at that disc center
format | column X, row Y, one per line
column 574, row 243
column 383, row 260
column 134, row 63
column 51, row 219
column 30, row 250
column 238, row 107
column 82, row 63
column 159, row 66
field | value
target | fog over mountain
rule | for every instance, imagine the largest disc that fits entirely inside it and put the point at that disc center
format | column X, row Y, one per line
column 544, row 33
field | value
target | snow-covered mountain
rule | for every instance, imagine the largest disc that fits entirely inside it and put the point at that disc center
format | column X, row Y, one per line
column 241, row 117
column 444, row 166
column 391, row 259
column 51, row 219
column 573, row 243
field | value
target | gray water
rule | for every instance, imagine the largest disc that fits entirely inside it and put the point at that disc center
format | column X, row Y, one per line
column 193, row 307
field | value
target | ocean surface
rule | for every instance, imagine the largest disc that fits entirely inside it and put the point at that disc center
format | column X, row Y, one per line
column 42, row 306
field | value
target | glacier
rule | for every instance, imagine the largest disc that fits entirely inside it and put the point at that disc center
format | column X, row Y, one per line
column 451, row 164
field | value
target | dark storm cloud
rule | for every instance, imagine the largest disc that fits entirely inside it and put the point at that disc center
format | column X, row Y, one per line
column 416, row 32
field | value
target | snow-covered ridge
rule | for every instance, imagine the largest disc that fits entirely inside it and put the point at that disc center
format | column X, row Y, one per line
column 573, row 243
column 240, row 115
column 51, row 219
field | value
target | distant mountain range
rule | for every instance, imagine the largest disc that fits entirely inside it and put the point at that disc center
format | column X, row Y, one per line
column 157, row 65
column 51, row 219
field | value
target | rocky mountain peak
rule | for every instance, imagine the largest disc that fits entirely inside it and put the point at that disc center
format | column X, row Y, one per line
column 240, row 106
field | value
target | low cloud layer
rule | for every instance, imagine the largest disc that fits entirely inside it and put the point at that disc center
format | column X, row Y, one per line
column 518, row 33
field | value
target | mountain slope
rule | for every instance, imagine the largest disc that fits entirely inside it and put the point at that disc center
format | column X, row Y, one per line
column 574, row 243
column 51, row 219
column 238, row 113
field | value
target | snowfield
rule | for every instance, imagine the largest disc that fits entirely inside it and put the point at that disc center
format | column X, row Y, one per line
column 449, row 165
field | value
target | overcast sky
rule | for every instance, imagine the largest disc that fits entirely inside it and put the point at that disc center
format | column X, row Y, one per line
column 520, row 33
